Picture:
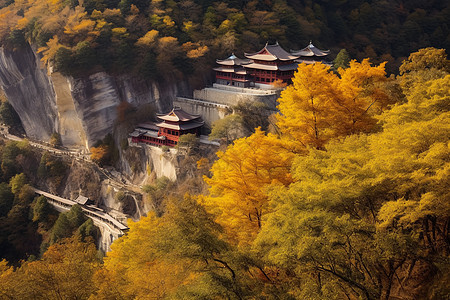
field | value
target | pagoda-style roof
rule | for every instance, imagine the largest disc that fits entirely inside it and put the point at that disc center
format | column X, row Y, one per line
column 181, row 126
column 226, row 70
column 233, row 60
column 289, row 67
column 271, row 53
column 238, row 70
column 177, row 115
column 310, row 51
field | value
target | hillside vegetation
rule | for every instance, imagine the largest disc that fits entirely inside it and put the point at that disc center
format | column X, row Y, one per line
column 163, row 39
column 348, row 200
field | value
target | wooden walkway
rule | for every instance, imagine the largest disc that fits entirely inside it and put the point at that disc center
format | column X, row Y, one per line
column 96, row 214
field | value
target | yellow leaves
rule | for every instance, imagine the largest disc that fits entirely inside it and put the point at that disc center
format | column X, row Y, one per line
column 137, row 269
column 22, row 23
column 319, row 105
column 240, row 178
column 65, row 271
column 96, row 14
column 167, row 20
column 307, row 108
column 199, row 52
column 194, row 50
column 80, row 27
column 118, row 31
column 202, row 163
column 188, row 25
column 148, row 39
column 424, row 59
column 49, row 52
column 279, row 84
column 111, row 13
column 83, row 26
column 100, row 24
column 99, row 153
column 55, row 5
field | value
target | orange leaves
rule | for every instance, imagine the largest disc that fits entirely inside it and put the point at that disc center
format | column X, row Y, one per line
column 98, row 154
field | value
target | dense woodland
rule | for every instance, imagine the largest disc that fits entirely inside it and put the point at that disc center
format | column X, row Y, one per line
column 165, row 39
column 346, row 196
column 343, row 194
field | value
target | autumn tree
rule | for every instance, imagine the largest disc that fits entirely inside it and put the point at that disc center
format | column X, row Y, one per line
column 362, row 215
column 64, row 272
column 319, row 105
column 241, row 177
column 422, row 66
column 179, row 255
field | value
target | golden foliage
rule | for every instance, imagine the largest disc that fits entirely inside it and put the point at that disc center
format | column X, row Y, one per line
column 64, row 272
column 319, row 105
column 279, row 84
column 50, row 51
column 99, row 153
column 199, row 52
column 241, row 177
column 148, row 39
column 136, row 268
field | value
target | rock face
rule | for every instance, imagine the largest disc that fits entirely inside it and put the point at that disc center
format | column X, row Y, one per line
column 30, row 91
column 81, row 110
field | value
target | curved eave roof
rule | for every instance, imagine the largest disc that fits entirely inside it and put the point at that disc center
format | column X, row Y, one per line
column 176, row 115
column 182, row 126
column 271, row 53
column 310, row 51
column 233, row 60
column 221, row 69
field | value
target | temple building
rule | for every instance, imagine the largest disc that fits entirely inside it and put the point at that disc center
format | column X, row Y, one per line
column 271, row 63
column 168, row 129
column 311, row 54
column 231, row 71
column 267, row 65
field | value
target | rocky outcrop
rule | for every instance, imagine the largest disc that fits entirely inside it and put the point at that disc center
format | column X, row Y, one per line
column 30, row 91
column 82, row 110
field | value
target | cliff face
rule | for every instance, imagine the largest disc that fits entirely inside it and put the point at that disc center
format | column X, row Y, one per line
column 30, row 91
column 81, row 110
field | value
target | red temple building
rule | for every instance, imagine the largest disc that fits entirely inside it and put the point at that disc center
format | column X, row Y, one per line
column 231, row 71
column 271, row 63
column 265, row 66
column 169, row 128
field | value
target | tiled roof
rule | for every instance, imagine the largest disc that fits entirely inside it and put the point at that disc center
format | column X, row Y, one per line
column 271, row 53
column 310, row 50
column 176, row 115
column 233, row 60
column 182, row 126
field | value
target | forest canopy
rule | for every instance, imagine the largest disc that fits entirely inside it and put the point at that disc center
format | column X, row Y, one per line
column 342, row 211
column 170, row 38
